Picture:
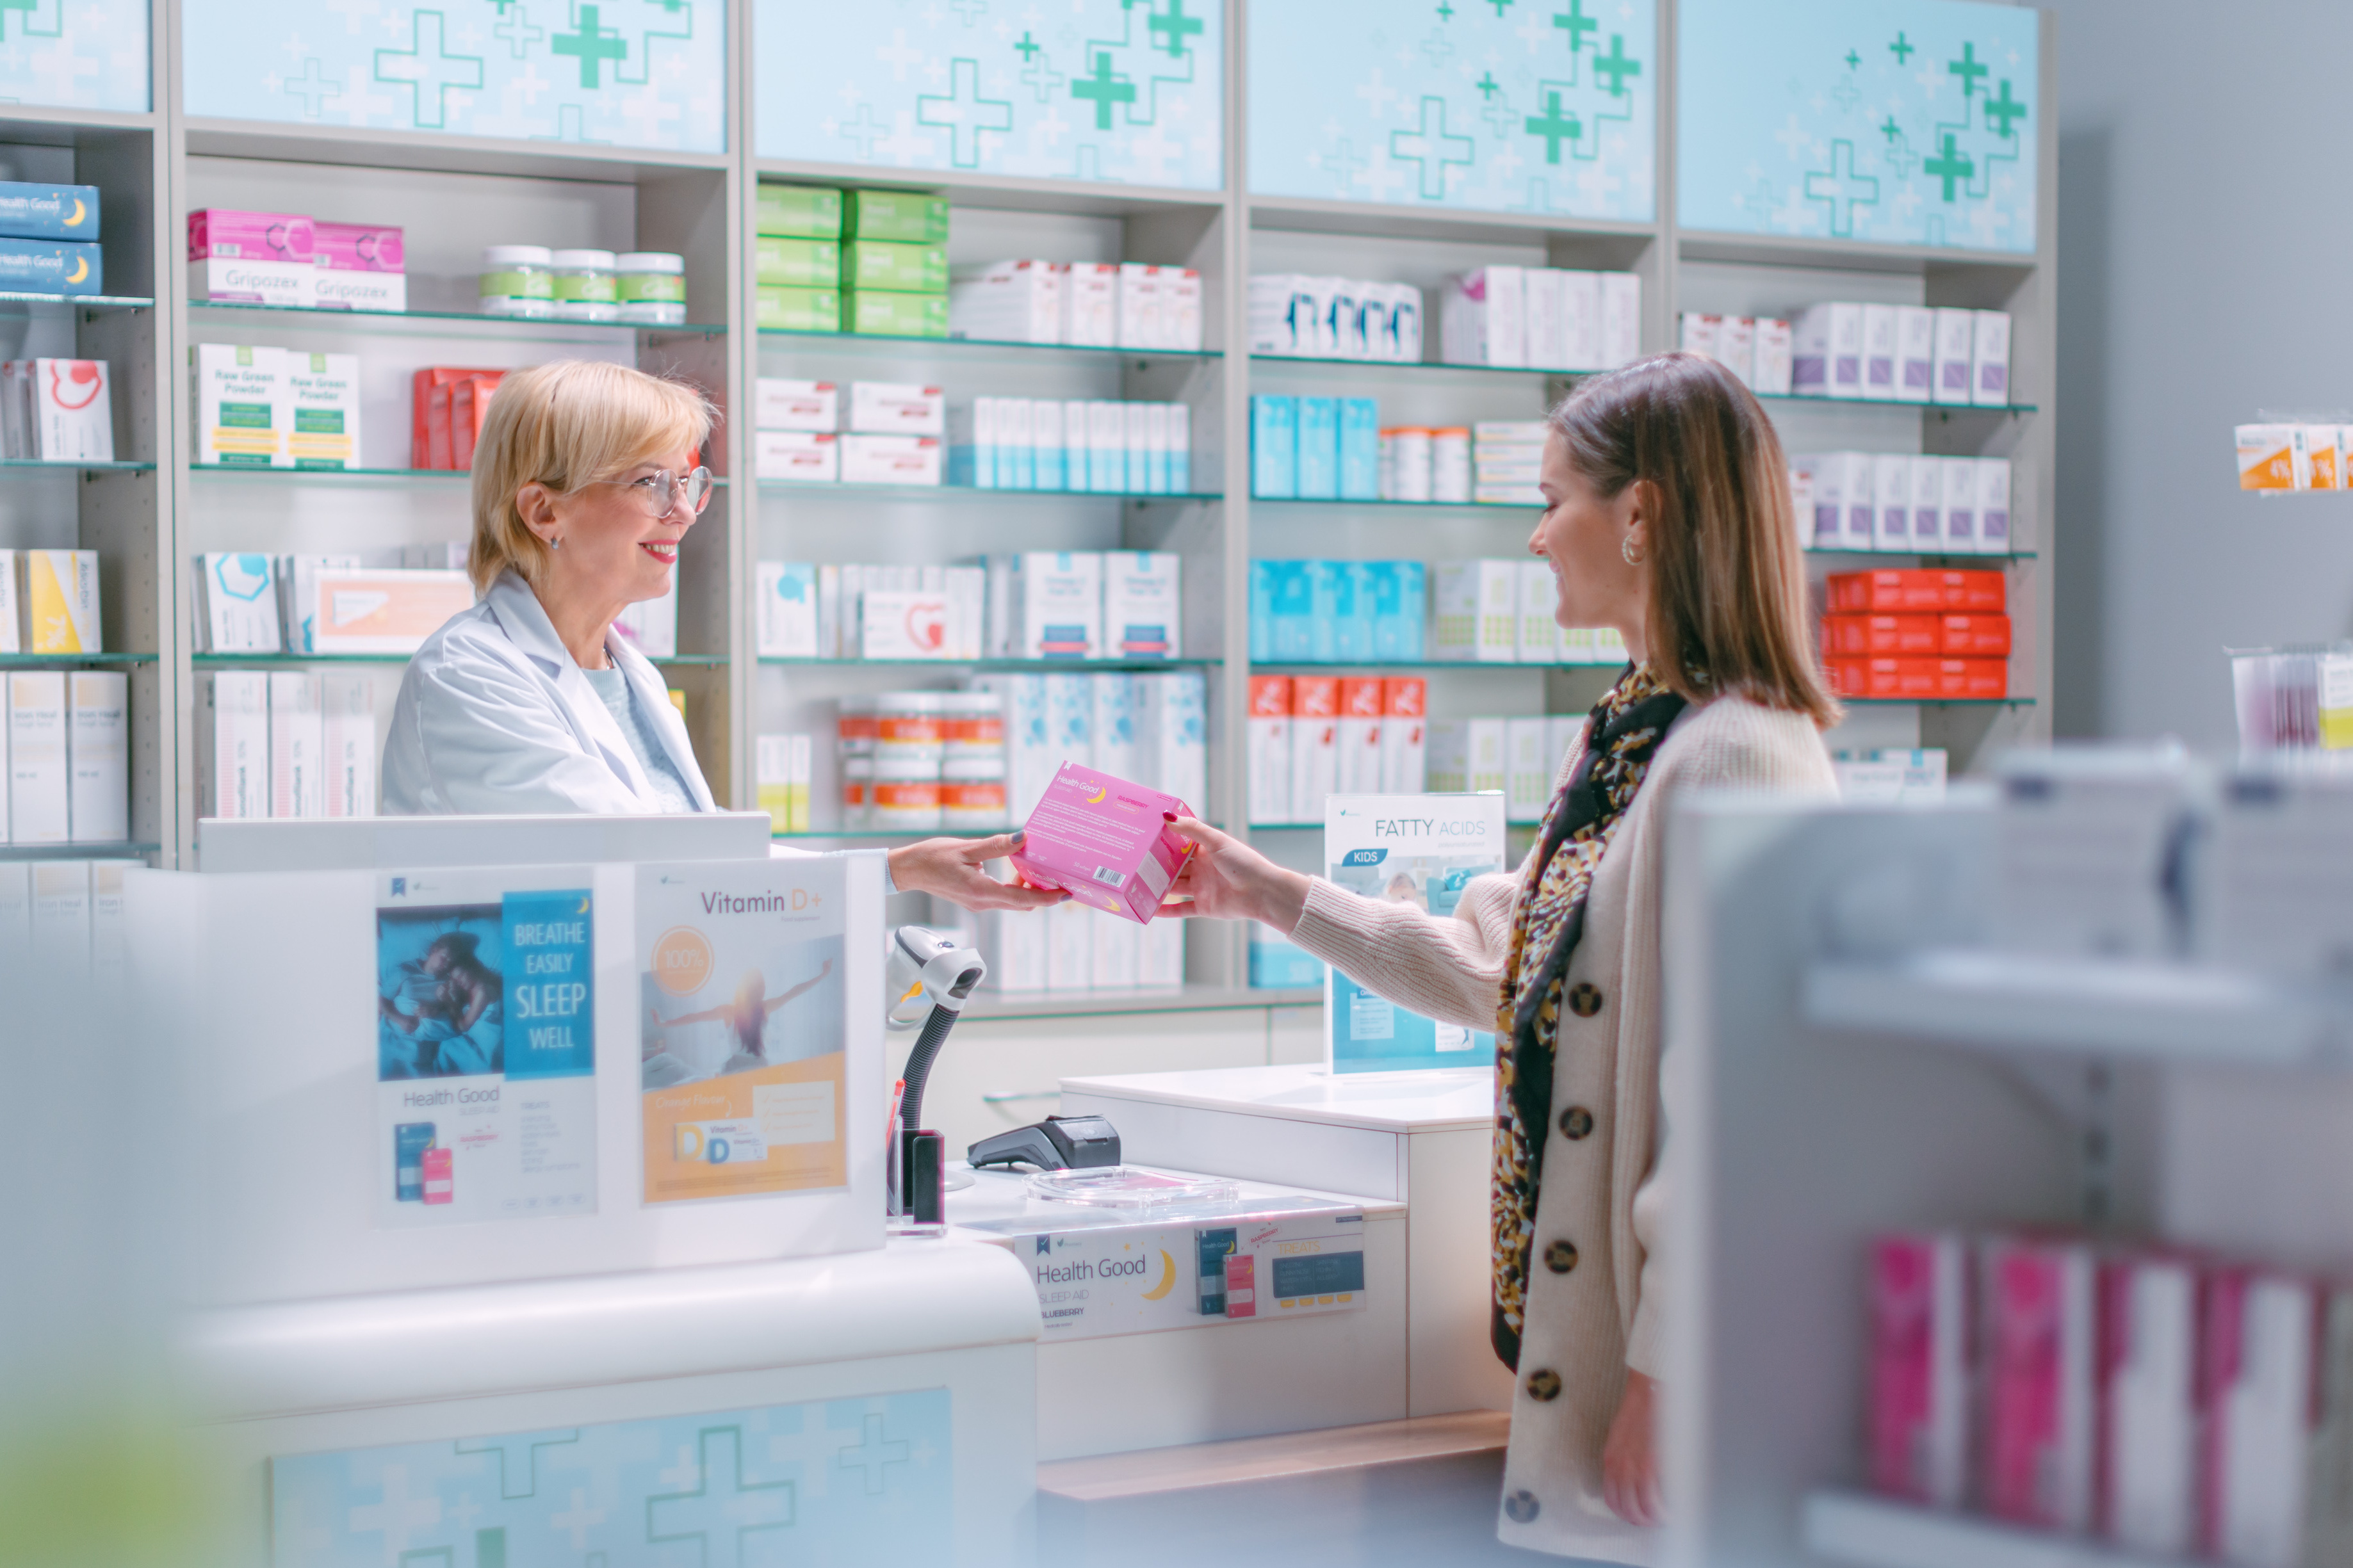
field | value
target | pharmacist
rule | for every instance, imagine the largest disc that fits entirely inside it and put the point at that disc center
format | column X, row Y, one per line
column 1667, row 516
column 585, row 481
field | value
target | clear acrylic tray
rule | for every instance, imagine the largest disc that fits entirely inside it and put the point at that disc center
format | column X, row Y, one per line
column 1117, row 1186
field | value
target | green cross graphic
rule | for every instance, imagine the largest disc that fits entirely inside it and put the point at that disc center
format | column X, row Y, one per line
column 429, row 69
column 1890, row 129
column 1105, row 90
column 1577, row 23
column 2006, row 107
column 1617, row 67
column 312, row 87
column 1445, row 11
column 519, row 33
column 1843, row 188
column 1902, row 49
column 1554, row 127
column 1949, row 166
column 1432, row 147
column 1967, row 69
column 1173, row 28
column 965, row 112
column 1499, row 5
column 1027, row 46
column 1488, row 86
column 724, row 1508
column 1854, row 60
column 592, row 45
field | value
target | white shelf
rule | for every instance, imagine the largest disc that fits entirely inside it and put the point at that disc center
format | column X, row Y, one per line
column 1872, row 1532
column 2158, row 1012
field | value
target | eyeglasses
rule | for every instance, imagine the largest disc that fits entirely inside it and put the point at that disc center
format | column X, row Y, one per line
column 661, row 493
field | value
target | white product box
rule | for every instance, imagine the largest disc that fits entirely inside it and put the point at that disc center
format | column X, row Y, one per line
column 1157, row 426
column 1737, row 347
column 1561, row 736
column 370, row 610
column 12, row 630
column 890, row 459
column 1890, row 502
column 1118, row 955
column 243, row 408
column 1071, row 719
column 1016, row 444
column 1951, row 371
column 1278, row 315
column 1358, row 745
column 902, row 623
column 1058, row 605
column 1405, row 748
column 1314, row 763
column 233, row 743
column 60, row 911
column 1527, row 768
column 2149, row 1489
column 897, row 408
column 1172, row 729
column 1989, row 359
column 1915, row 352
column 1069, row 946
column 1879, row 352
column 1701, row 334
column 1545, row 299
column 1136, row 440
column 236, row 604
column 968, row 592
column 322, row 400
column 1622, row 319
column 1928, row 504
column 1091, row 305
column 1475, row 611
column 1160, row 957
column 1580, row 320
column 785, row 610
column 1829, row 476
column 1484, row 317
column 1143, row 605
column 1268, row 761
column 347, row 757
column 1539, row 631
column 1771, row 378
column 779, row 404
column 1862, row 488
column 97, row 756
column 73, row 410
column 1008, row 301
column 39, row 791
column 56, row 594
column 1031, row 759
column 1017, row 943
column 1468, row 754
column 1826, row 351
column 298, row 592
column 1801, row 500
column 2084, row 843
column 2259, row 1414
column 1994, row 535
column 650, row 626
column 1962, row 488
column 1139, row 317
column 288, row 283
column 1107, row 449
column 1317, row 326
column 298, row 786
column 1112, row 724
column 1180, row 308
column 1052, row 461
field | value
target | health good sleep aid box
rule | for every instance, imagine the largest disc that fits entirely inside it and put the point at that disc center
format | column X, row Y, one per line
column 1105, row 841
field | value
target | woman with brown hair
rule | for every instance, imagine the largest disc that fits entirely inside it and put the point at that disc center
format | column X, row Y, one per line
column 1667, row 516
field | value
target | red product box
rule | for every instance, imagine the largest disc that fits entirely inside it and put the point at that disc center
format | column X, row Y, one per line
column 1360, row 697
column 1974, row 636
column 1914, row 590
column 469, row 410
column 1885, row 676
column 1405, row 696
column 1844, row 636
column 1316, row 697
column 421, row 387
column 1270, row 697
column 1972, row 678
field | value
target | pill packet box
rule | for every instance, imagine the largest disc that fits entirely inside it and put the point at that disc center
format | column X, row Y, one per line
column 1105, row 841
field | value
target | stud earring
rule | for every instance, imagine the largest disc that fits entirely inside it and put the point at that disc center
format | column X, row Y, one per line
column 555, row 544
column 1626, row 551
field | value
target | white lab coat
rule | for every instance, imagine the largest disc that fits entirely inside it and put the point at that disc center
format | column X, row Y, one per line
column 494, row 716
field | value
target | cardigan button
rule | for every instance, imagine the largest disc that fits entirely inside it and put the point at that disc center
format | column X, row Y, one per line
column 1584, row 999
column 1561, row 1257
column 1576, row 1122
column 1543, row 1386
column 1521, row 1506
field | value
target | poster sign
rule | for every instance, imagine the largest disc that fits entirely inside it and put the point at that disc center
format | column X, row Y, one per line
column 486, row 1046
column 742, row 1029
column 1418, row 849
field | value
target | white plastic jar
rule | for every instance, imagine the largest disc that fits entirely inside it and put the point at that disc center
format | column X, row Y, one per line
column 857, row 792
column 911, row 726
column 586, row 286
column 518, row 280
column 1404, row 464
column 854, row 729
column 973, row 726
column 971, row 791
column 906, row 795
column 651, row 288
column 1449, row 465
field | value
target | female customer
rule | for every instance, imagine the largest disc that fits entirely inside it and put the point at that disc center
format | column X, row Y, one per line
column 1667, row 516
column 586, row 479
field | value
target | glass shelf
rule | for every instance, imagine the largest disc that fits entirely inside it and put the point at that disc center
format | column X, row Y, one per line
column 1140, row 665
column 438, row 321
column 1336, row 667
column 237, row 470
column 77, row 851
column 60, row 660
column 905, row 834
column 1410, row 367
column 2005, row 408
column 70, row 465
column 96, row 304
column 1403, row 505
column 822, row 488
column 1948, row 556
column 297, row 660
column 885, row 345
column 1937, row 702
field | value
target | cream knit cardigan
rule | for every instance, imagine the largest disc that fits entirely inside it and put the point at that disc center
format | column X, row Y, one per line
column 1604, row 1193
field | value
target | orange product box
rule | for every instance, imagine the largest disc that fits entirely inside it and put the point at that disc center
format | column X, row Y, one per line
column 1405, row 696
column 421, row 387
column 1360, row 697
column 469, row 410
column 1979, row 678
column 1973, row 637
column 1844, row 636
column 1914, row 590
column 1270, row 697
column 1885, row 676
column 1316, row 697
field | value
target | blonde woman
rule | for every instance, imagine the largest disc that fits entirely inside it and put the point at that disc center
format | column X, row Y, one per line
column 1667, row 516
column 587, row 479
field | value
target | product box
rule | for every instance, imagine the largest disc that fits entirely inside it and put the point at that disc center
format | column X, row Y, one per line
column 805, row 455
column 358, row 267
column 243, row 406
column 2257, row 1417
column 785, row 610
column 1622, row 319
column 298, row 577
column 2321, row 449
column 29, row 211
column 1008, row 301
column 421, row 387
column 236, row 604
column 1826, row 351
column 901, row 216
column 1580, row 320
column 1851, row 636
column 2041, row 1334
column 1993, row 506
column 263, row 259
column 71, row 410
column 1915, row 352
column 887, row 459
column 1528, row 768
column 1891, row 492
column 56, row 591
column 1774, row 367
column 323, row 398
column 1400, row 604
column 233, row 743
column 1879, row 352
column 1483, row 318
column 785, row 763
column 347, row 759
column 1269, row 747
column 880, row 314
column 50, row 266
column 1275, row 446
column 1358, row 770
column 297, row 741
column 1953, row 369
column 1539, row 628
column 1319, row 448
column 897, row 408
column 1172, row 719
column 1468, row 754
column 12, row 627
column 1920, row 1345
column 40, row 782
column 781, row 403
column 1142, row 605
column 1405, row 706
column 1928, row 504
column 1700, row 333
column 2147, row 1416
column 1737, row 347
column 1475, row 607
column 777, row 309
column 373, row 610
column 1091, row 304
column 1314, row 744
column 903, row 623
column 800, row 212
column 1116, row 751
column 1545, row 299
column 1105, row 841
column 1963, row 486
column 1058, row 604
column 1141, row 306
column 887, row 266
column 793, row 263
column 1973, row 637
column 2267, row 458
column 1989, row 359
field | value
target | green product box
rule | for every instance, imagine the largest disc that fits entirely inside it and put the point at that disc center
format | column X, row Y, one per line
column 899, row 269
column 882, row 313
column 903, row 215
column 796, row 310
column 797, row 263
column 797, row 212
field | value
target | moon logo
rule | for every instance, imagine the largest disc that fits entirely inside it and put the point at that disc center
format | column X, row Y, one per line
column 81, row 271
column 1167, row 1278
column 1098, row 798
column 79, row 212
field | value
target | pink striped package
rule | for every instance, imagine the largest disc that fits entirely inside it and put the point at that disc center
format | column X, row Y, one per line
column 1920, row 1367
column 2040, row 1325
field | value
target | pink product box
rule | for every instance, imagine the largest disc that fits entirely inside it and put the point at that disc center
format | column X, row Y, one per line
column 221, row 233
column 1920, row 1368
column 2148, row 1427
column 2040, row 1315
column 1105, row 841
column 358, row 269
column 2258, row 1396
column 356, row 246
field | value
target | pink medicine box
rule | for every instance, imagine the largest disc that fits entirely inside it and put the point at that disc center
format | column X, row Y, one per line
column 222, row 232
column 1105, row 841
column 357, row 246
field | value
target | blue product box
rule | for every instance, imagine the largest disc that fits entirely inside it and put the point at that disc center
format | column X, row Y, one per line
column 1025, row 468
column 1180, row 451
column 1335, row 599
column 1262, row 611
column 1384, row 589
column 1353, row 631
column 966, row 467
column 1413, row 611
column 1052, row 467
column 49, row 212
column 1360, row 449
column 1294, row 611
column 1275, row 446
column 50, row 266
column 1319, row 448
column 1275, row 963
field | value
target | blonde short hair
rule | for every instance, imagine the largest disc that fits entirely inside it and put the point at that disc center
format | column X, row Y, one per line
column 566, row 426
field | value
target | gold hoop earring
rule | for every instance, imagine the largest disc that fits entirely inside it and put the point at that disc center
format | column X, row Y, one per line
column 1626, row 551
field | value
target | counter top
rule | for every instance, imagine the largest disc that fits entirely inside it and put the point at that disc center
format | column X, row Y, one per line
column 1387, row 1102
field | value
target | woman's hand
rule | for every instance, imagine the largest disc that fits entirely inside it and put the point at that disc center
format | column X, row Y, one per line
column 1227, row 880
column 1629, row 1457
column 954, row 869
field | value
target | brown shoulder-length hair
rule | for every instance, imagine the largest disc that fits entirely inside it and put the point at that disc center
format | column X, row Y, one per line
column 1729, row 610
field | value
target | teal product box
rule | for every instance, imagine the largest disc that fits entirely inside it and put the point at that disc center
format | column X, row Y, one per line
column 1352, row 631
column 1335, row 601
column 1276, row 964
column 894, row 268
column 1261, row 612
column 1319, row 448
column 1360, row 449
column 906, row 217
column 1017, row 467
column 50, row 266
column 1294, row 611
column 1051, row 465
column 1400, row 591
column 49, row 212
column 1275, row 446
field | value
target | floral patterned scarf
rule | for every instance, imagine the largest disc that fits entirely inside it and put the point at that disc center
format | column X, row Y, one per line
column 1621, row 739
